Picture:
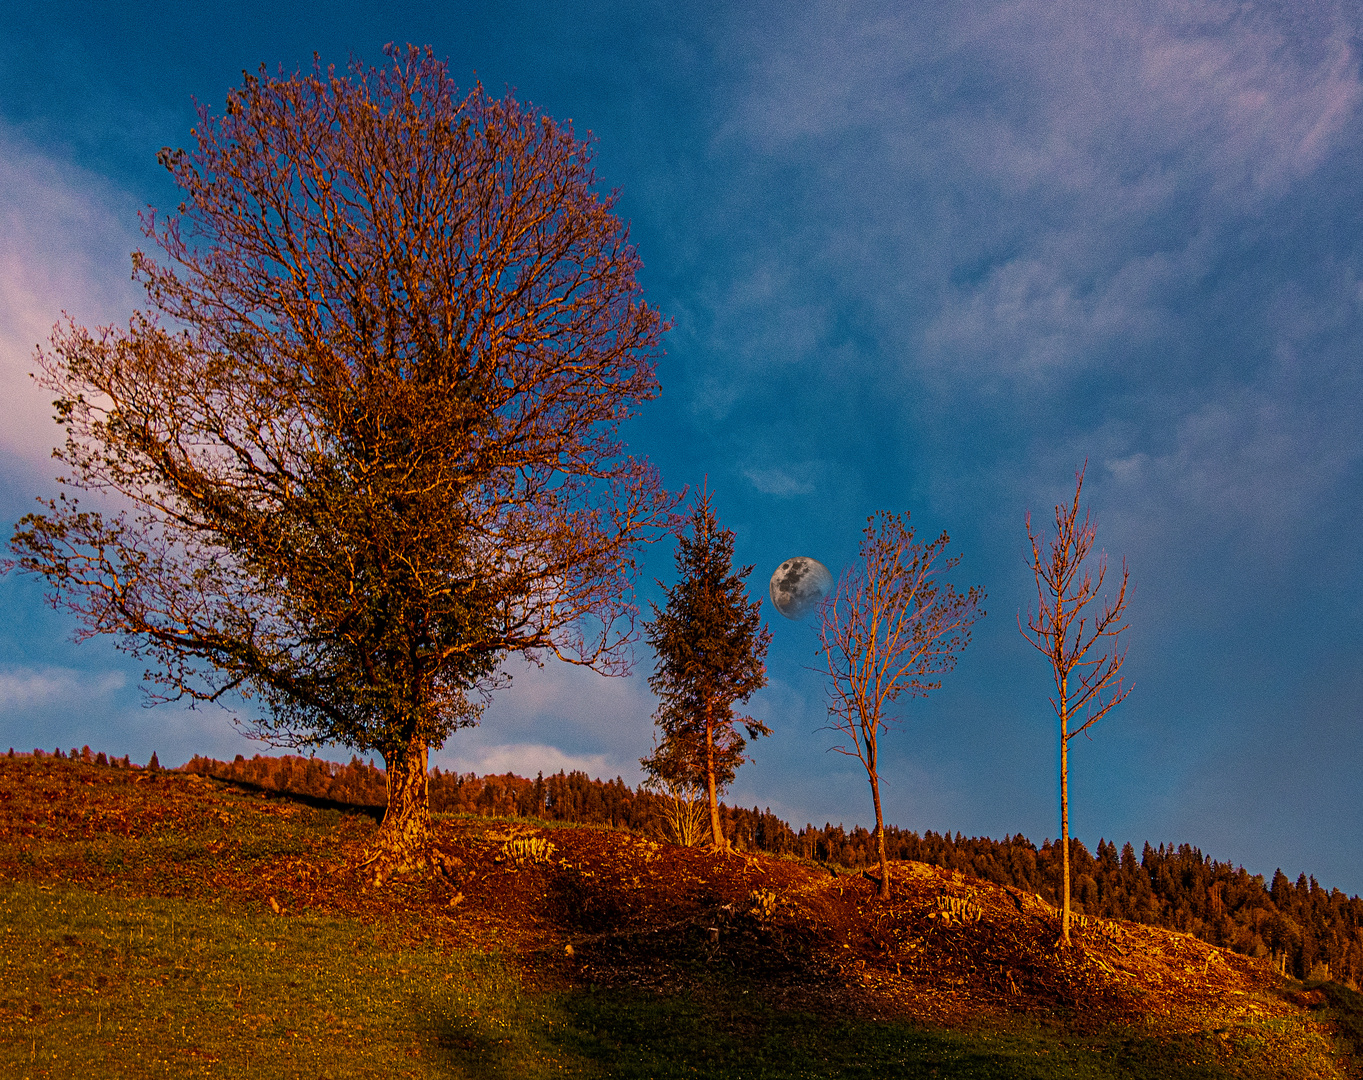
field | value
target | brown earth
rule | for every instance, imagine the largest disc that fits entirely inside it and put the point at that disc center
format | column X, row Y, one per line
column 578, row 905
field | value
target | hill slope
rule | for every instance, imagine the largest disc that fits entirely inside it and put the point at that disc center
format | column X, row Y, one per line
column 572, row 908
column 1301, row 928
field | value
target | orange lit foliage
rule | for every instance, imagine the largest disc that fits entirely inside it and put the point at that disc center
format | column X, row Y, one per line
column 368, row 431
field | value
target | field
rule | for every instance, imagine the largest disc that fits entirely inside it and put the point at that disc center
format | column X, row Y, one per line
column 157, row 923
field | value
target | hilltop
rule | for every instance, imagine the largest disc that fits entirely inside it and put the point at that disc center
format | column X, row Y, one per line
column 577, row 907
column 1301, row 929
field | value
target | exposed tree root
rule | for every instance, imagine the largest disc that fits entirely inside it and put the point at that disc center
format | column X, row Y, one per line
column 383, row 863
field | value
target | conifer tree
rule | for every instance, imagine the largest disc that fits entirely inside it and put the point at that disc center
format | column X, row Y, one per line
column 711, row 646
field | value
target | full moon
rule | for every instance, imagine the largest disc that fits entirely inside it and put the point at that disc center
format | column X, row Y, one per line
column 798, row 585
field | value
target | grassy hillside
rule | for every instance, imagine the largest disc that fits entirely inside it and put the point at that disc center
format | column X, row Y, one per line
column 164, row 924
column 1301, row 928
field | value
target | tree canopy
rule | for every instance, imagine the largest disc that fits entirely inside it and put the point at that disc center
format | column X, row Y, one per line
column 363, row 444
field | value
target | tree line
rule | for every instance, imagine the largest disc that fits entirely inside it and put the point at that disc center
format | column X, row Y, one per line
column 1300, row 928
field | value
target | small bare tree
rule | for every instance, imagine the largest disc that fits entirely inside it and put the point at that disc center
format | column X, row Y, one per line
column 1083, row 649
column 890, row 628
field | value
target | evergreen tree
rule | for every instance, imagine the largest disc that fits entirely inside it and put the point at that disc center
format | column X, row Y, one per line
column 711, row 646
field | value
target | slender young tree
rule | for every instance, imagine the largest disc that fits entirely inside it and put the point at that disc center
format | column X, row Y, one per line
column 364, row 443
column 711, row 646
column 891, row 627
column 1080, row 640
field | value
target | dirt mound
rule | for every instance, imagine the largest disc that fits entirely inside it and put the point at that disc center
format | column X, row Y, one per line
column 946, row 949
column 584, row 904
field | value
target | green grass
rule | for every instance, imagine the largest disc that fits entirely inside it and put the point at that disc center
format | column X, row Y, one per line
column 100, row 986
column 645, row 1036
column 1345, row 1008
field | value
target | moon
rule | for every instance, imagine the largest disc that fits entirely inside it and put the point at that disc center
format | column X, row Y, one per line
column 798, row 585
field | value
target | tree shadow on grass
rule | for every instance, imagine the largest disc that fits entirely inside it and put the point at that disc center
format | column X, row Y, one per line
column 316, row 802
column 638, row 1035
column 466, row 1051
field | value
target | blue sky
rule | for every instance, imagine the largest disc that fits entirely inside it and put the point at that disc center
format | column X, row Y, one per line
column 922, row 258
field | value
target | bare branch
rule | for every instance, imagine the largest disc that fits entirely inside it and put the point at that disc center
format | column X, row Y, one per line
column 1078, row 632
column 890, row 628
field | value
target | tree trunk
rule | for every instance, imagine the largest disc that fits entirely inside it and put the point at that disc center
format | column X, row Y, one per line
column 1065, row 809
column 403, row 840
column 880, row 838
column 716, row 833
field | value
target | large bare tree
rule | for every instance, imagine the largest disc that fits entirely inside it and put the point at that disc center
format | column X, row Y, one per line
column 363, row 444
column 1079, row 640
column 891, row 627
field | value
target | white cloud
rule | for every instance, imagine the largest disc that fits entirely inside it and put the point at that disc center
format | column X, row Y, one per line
column 24, row 688
column 561, row 690
column 1125, row 116
column 65, row 238
column 784, row 482
column 1035, row 146
column 558, row 717
column 1071, row 227
column 527, row 759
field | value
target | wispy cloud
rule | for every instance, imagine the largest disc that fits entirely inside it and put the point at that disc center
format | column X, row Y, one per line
column 24, row 688
column 785, row 481
column 65, row 238
column 1045, row 230
column 555, row 688
column 558, row 717
column 1016, row 157
column 527, row 759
